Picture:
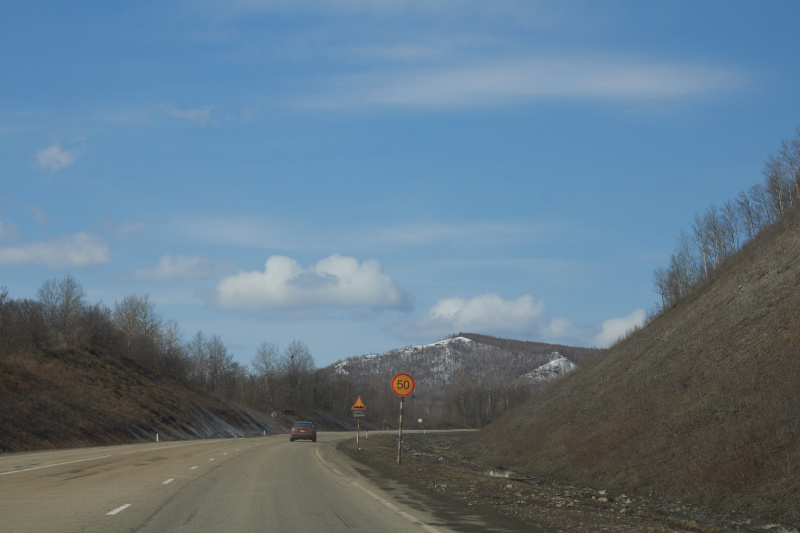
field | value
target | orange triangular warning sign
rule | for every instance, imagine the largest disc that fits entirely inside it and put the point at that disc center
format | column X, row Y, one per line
column 359, row 405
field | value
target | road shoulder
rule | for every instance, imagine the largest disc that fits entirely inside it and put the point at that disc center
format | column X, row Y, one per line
column 432, row 465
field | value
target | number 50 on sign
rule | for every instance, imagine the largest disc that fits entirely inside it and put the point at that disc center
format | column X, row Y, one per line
column 402, row 384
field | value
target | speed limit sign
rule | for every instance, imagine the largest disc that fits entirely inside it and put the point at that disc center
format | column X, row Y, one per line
column 402, row 384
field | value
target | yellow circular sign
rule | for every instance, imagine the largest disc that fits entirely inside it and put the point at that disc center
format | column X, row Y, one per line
column 402, row 384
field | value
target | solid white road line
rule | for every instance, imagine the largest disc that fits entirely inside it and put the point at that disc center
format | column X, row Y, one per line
column 118, row 509
column 27, row 469
column 388, row 504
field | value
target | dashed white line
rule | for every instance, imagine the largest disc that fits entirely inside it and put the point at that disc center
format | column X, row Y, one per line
column 118, row 509
column 211, row 459
column 167, row 482
column 192, row 468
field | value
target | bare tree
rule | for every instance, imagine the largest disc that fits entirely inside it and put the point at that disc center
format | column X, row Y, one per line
column 62, row 304
column 97, row 328
column 265, row 366
column 296, row 366
column 776, row 184
column 198, row 358
column 703, row 242
column 174, row 352
column 136, row 318
column 661, row 285
column 748, row 213
column 219, row 360
column 718, row 234
column 731, row 226
column 790, row 155
column 7, row 323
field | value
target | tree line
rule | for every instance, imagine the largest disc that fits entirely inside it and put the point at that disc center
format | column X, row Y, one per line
column 720, row 232
column 61, row 318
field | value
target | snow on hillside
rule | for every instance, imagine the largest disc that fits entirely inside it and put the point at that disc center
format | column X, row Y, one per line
column 437, row 363
column 550, row 371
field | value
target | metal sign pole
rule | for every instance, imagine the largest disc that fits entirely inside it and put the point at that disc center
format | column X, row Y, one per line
column 400, row 432
column 358, row 432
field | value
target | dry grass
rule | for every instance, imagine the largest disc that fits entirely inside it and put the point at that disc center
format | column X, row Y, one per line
column 702, row 405
column 73, row 397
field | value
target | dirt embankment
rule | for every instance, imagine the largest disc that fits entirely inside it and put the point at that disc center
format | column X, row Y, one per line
column 436, row 462
column 76, row 398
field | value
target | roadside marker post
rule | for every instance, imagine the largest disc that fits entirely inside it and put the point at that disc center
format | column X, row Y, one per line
column 359, row 410
column 402, row 385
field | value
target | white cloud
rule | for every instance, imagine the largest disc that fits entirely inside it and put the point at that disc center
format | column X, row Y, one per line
column 8, row 232
column 529, row 10
column 39, row 215
column 614, row 328
column 483, row 233
column 487, row 313
column 291, row 235
column 567, row 77
column 200, row 115
column 558, row 328
column 335, row 281
column 178, row 267
column 54, row 158
column 126, row 231
column 77, row 250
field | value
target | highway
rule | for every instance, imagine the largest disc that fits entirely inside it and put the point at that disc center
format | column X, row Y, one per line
column 232, row 485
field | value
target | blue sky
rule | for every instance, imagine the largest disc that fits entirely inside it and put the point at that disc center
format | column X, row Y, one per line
column 367, row 175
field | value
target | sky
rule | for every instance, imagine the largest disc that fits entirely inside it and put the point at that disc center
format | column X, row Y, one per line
column 364, row 175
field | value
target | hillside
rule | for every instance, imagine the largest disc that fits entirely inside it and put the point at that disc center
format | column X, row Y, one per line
column 701, row 406
column 73, row 397
column 485, row 358
column 466, row 380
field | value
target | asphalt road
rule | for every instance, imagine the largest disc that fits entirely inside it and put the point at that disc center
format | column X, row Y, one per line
column 234, row 485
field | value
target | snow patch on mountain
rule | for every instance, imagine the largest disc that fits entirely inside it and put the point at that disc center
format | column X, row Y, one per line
column 559, row 366
column 436, row 363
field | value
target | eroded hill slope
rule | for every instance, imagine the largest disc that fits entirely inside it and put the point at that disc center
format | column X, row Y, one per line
column 702, row 405
column 73, row 397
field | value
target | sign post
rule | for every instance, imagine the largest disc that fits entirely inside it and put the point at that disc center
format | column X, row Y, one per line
column 359, row 410
column 402, row 385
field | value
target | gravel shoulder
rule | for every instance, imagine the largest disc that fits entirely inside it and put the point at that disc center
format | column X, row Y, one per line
column 434, row 462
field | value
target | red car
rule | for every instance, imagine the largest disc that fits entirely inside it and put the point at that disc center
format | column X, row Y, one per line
column 303, row 430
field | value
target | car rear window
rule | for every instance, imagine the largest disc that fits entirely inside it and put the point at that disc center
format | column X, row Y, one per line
column 309, row 426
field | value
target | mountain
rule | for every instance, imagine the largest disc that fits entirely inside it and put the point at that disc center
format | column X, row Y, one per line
column 463, row 381
column 701, row 406
column 482, row 356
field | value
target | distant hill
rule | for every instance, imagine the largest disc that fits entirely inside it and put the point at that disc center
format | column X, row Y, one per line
column 75, row 398
column 701, row 406
column 465, row 380
column 484, row 357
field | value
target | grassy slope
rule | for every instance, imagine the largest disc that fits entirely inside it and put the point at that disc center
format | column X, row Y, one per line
column 702, row 405
column 73, row 398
